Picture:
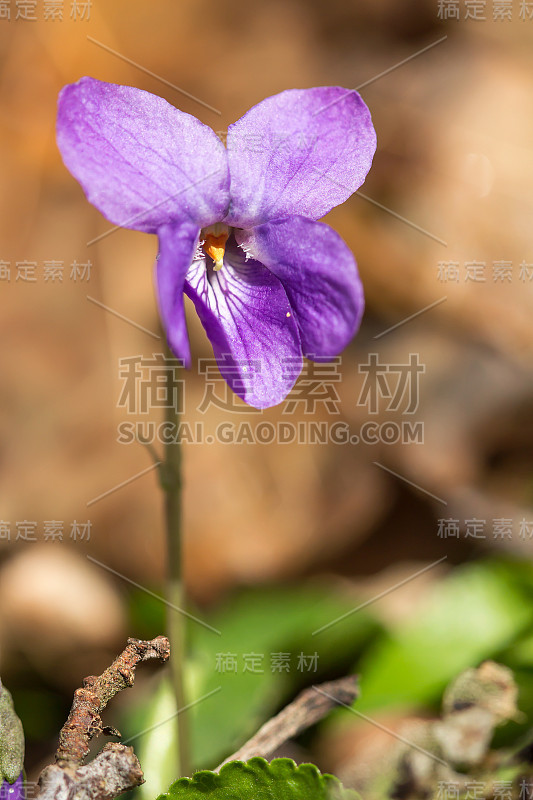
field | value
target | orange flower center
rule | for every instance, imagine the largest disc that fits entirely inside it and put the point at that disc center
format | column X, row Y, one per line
column 215, row 246
column 215, row 238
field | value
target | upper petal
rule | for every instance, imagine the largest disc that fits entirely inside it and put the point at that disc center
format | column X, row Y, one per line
column 303, row 151
column 177, row 246
column 248, row 319
column 319, row 274
column 140, row 161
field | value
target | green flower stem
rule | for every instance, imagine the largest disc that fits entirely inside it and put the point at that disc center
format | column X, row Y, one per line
column 171, row 481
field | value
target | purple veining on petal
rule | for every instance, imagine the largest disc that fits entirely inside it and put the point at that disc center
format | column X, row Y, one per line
column 249, row 322
column 302, row 151
column 140, row 161
column 320, row 277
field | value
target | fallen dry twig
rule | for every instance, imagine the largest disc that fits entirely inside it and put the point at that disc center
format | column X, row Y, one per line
column 84, row 720
column 116, row 768
column 309, row 707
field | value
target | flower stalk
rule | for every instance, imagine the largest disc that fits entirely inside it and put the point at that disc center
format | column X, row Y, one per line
column 171, row 482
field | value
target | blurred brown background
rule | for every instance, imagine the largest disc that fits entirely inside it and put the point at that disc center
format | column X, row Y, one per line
column 454, row 126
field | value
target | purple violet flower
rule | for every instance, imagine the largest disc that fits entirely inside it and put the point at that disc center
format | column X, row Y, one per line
column 237, row 227
column 13, row 791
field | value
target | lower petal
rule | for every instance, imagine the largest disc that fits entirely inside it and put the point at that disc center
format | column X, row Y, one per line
column 319, row 275
column 177, row 246
column 248, row 320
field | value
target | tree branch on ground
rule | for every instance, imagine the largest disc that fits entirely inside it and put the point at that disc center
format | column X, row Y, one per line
column 310, row 707
column 116, row 768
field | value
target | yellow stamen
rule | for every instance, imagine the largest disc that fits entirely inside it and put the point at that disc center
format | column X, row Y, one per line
column 215, row 247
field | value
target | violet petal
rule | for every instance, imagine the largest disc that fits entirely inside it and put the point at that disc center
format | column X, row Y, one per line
column 13, row 791
column 319, row 274
column 177, row 246
column 140, row 161
column 249, row 322
column 302, row 151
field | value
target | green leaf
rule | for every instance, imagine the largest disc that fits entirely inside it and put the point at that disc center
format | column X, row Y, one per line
column 258, row 780
column 264, row 621
column 157, row 744
column 473, row 614
column 11, row 739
